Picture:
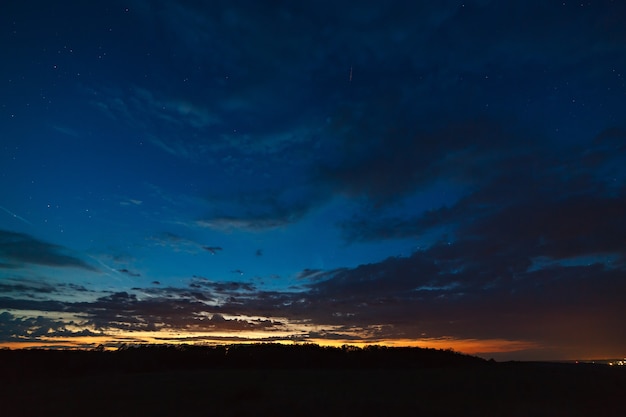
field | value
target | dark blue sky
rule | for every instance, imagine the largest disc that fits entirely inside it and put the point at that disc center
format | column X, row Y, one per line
column 443, row 173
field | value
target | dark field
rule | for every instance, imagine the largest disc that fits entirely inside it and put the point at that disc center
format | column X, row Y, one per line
column 172, row 388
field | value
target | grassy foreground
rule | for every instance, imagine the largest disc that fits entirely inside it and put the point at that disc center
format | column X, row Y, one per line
column 468, row 389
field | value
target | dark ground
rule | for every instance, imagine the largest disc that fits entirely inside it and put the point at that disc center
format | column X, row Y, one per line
column 105, row 384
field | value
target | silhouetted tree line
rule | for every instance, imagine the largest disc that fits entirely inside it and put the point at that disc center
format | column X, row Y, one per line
column 153, row 358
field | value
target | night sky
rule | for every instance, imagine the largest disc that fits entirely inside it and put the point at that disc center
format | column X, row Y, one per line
column 446, row 174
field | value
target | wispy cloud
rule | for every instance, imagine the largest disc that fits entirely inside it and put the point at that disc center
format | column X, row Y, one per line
column 129, row 273
column 182, row 244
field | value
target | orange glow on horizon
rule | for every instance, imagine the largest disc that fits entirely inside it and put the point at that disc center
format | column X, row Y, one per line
column 467, row 346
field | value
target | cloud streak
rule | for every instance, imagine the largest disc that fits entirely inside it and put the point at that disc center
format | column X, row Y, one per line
column 15, row 216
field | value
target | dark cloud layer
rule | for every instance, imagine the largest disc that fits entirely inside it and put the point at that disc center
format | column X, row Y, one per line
column 21, row 250
column 525, row 196
column 445, row 291
column 33, row 329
